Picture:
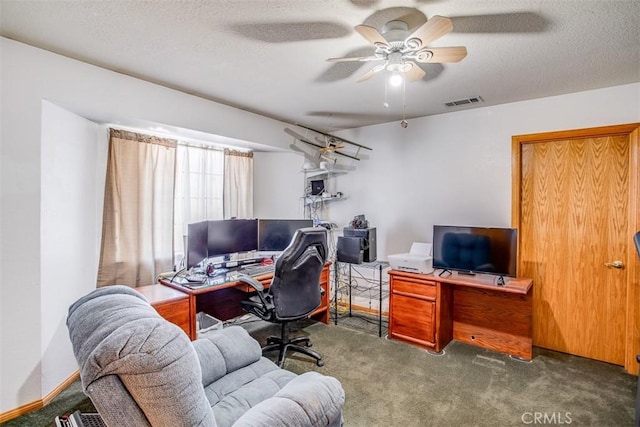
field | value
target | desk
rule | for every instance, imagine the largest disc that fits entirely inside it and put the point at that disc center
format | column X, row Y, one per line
column 171, row 304
column 429, row 311
column 222, row 301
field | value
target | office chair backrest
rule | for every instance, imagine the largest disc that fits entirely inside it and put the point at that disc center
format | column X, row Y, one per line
column 296, row 282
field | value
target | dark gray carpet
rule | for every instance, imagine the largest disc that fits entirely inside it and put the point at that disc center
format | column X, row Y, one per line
column 388, row 383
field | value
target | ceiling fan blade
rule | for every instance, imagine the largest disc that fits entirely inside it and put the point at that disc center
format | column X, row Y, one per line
column 371, row 72
column 356, row 58
column 372, row 35
column 442, row 54
column 414, row 73
column 431, row 30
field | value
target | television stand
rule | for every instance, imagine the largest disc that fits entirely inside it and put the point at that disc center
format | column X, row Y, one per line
column 466, row 273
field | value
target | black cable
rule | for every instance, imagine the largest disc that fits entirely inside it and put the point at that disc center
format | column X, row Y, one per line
column 176, row 274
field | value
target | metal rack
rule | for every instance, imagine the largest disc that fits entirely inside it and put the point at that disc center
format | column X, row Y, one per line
column 379, row 265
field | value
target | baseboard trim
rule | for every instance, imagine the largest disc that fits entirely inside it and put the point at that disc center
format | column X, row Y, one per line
column 41, row 403
column 363, row 309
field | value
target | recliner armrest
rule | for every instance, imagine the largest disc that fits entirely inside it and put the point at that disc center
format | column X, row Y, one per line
column 310, row 399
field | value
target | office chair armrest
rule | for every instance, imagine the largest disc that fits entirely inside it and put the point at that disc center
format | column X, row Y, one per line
column 248, row 280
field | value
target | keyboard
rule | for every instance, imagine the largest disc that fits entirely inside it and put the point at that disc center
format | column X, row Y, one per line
column 257, row 269
column 78, row 419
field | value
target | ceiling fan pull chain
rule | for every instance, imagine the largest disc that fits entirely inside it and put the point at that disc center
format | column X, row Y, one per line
column 386, row 102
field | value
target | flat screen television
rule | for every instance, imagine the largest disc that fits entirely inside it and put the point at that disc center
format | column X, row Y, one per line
column 467, row 249
column 275, row 234
column 197, row 235
column 229, row 236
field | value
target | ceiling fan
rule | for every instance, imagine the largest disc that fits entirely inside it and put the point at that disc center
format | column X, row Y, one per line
column 400, row 51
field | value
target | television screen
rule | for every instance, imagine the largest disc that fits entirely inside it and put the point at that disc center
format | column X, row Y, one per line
column 197, row 235
column 275, row 234
column 489, row 250
column 230, row 236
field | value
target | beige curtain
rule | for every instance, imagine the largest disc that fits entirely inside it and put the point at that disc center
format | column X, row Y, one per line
column 137, row 235
column 238, row 184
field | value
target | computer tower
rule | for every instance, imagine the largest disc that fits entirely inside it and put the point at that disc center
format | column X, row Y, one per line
column 368, row 243
column 349, row 250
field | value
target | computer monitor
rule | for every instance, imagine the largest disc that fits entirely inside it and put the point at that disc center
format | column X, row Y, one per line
column 197, row 235
column 275, row 234
column 230, row 236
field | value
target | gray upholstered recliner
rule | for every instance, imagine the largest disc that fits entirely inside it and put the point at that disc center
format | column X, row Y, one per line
column 141, row 370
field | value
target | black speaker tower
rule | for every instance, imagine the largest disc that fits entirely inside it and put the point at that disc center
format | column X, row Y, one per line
column 368, row 241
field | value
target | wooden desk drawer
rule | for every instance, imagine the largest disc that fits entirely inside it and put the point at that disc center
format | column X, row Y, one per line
column 414, row 320
column 175, row 312
column 420, row 289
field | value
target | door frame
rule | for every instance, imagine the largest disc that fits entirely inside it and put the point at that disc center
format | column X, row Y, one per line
column 632, row 263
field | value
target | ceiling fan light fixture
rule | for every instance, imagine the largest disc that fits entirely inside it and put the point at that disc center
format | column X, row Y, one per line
column 396, row 79
column 396, row 63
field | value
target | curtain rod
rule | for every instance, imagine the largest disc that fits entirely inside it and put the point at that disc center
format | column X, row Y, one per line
column 182, row 141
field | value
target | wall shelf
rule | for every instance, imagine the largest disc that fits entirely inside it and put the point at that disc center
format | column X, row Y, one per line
column 311, row 200
column 314, row 203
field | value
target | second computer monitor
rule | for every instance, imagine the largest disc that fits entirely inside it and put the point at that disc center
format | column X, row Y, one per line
column 232, row 236
column 274, row 235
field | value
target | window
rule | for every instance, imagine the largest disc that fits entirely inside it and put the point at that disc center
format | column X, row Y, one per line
column 198, row 192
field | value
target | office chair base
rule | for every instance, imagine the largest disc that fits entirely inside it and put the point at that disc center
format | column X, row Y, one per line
column 299, row 340
column 284, row 344
column 288, row 348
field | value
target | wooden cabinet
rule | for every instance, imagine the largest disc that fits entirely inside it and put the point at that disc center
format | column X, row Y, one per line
column 171, row 304
column 414, row 305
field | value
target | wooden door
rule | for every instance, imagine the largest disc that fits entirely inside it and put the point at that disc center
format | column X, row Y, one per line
column 575, row 205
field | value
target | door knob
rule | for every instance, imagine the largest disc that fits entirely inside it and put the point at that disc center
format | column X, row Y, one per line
column 614, row 264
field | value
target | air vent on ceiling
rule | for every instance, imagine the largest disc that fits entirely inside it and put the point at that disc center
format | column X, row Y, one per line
column 472, row 100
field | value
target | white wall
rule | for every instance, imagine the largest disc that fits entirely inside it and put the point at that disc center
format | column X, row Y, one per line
column 278, row 185
column 454, row 168
column 32, row 302
column 73, row 159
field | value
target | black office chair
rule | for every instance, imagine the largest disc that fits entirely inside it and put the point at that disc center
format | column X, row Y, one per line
column 294, row 293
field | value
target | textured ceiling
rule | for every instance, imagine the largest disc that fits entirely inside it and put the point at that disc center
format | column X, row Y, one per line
column 270, row 56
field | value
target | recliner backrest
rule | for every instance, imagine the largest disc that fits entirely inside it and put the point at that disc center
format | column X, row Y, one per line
column 296, row 282
column 137, row 368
